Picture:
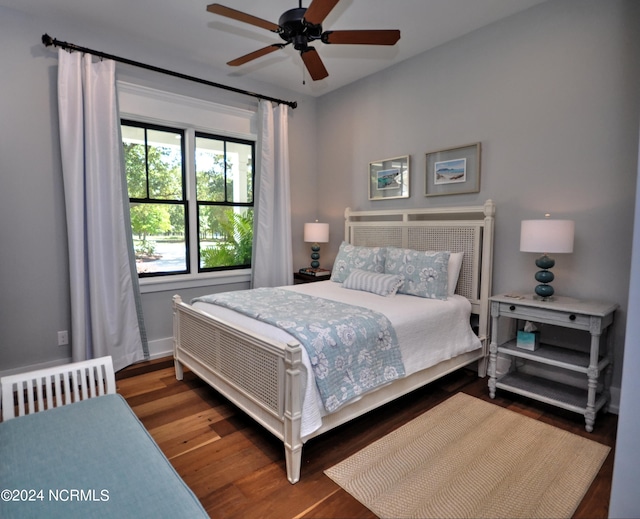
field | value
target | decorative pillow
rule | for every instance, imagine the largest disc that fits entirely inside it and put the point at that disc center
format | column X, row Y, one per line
column 381, row 284
column 350, row 257
column 425, row 274
column 455, row 264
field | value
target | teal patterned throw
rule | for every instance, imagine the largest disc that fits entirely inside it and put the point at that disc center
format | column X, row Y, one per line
column 352, row 349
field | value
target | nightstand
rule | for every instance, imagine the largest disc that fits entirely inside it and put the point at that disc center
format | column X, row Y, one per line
column 299, row 278
column 591, row 361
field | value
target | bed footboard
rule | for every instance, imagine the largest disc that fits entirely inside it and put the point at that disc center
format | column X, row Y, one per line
column 261, row 376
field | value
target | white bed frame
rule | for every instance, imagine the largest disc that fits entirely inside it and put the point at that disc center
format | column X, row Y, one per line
column 263, row 377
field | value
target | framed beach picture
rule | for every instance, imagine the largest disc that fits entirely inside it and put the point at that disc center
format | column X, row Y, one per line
column 389, row 178
column 453, row 171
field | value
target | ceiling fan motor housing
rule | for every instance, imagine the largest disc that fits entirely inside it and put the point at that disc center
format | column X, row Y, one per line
column 295, row 30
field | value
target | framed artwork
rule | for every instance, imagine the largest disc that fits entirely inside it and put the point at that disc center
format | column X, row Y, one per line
column 453, row 171
column 389, row 178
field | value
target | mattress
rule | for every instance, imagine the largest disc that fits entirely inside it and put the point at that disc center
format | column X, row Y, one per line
column 429, row 331
column 89, row 459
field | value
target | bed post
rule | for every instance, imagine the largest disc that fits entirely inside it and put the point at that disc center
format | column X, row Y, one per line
column 347, row 233
column 176, row 339
column 293, row 411
column 486, row 283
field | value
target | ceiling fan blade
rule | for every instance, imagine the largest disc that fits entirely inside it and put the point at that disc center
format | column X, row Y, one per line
column 314, row 64
column 364, row 37
column 255, row 54
column 242, row 17
column 318, row 11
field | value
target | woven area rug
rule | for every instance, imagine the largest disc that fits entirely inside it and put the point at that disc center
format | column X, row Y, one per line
column 470, row 458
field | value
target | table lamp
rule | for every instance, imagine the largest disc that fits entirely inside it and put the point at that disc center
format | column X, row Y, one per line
column 546, row 236
column 316, row 233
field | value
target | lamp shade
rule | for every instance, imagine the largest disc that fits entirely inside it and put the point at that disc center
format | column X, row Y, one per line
column 547, row 236
column 316, row 232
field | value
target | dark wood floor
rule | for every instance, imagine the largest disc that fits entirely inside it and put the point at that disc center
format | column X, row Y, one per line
column 237, row 469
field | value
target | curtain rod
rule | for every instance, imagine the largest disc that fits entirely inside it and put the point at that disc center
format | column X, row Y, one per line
column 48, row 41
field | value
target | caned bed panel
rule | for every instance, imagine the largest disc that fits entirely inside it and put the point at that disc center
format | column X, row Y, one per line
column 241, row 362
column 454, row 238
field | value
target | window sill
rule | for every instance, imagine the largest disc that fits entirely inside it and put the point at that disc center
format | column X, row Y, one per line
column 170, row 283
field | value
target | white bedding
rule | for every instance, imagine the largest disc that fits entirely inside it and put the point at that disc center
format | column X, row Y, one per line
column 429, row 331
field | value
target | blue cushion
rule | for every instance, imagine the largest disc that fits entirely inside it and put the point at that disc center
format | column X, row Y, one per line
column 97, row 446
column 351, row 257
column 425, row 274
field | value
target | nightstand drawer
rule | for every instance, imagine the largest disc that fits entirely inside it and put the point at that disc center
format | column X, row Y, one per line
column 568, row 319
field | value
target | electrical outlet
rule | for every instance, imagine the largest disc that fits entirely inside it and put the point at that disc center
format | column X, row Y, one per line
column 63, row 338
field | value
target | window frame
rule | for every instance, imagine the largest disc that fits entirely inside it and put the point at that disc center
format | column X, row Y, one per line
column 226, row 203
column 149, row 105
column 184, row 202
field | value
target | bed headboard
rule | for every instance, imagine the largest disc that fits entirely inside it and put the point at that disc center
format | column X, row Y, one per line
column 456, row 229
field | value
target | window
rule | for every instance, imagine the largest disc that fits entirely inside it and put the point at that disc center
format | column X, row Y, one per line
column 161, row 181
column 224, row 188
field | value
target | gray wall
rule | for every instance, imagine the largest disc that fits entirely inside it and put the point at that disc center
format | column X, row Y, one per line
column 553, row 95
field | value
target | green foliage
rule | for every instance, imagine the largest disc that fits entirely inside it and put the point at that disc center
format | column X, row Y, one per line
column 149, row 219
column 164, row 169
column 236, row 249
column 145, row 249
column 210, row 184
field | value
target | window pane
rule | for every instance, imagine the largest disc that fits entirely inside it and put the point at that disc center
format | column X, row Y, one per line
column 210, row 181
column 239, row 172
column 159, row 237
column 164, row 160
column 226, row 236
column 135, row 161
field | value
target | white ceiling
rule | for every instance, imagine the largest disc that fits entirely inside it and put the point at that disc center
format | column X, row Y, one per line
column 189, row 31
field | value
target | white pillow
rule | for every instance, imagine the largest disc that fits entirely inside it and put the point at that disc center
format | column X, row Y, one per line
column 381, row 284
column 455, row 264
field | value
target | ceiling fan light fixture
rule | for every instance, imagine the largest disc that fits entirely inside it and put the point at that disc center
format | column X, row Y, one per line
column 300, row 42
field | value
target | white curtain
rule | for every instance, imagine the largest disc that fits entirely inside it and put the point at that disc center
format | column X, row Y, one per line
column 272, row 255
column 105, row 312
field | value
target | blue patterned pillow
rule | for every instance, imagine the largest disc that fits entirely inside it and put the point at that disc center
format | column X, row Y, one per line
column 424, row 273
column 352, row 257
column 381, row 284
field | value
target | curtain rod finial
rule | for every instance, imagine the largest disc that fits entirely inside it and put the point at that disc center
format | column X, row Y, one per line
column 47, row 40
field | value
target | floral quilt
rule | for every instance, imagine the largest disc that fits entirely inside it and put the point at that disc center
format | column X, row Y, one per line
column 351, row 349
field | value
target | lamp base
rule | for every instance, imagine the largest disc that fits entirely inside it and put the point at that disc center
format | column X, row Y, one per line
column 315, row 256
column 544, row 291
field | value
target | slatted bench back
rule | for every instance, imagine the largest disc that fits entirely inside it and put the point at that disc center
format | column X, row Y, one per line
column 35, row 391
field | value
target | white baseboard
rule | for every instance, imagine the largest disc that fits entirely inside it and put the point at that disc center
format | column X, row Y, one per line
column 161, row 348
column 614, row 403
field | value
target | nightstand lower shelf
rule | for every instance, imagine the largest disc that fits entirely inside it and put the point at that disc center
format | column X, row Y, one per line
column 554, row 393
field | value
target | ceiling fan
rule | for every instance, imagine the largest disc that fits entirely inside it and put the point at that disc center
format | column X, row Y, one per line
column 300, row 26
